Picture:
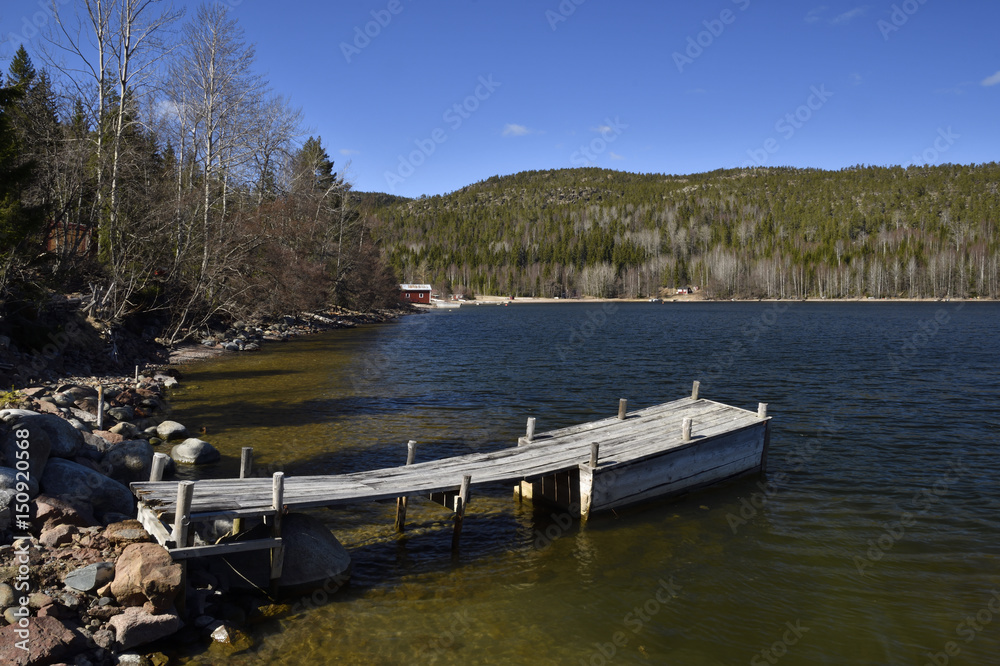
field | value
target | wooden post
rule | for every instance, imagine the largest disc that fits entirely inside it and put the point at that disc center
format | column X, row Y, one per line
column 762, row 410
column 622, row 408
column 136, row 374
column 595, row 453
column 159, row 464
column 411, row 454
column 460, row 503
column 530, row 432
column 182, row 520
column 277, row 503
column 100, row 407
column 694, row 390
column 246, row 467
column 686, row 430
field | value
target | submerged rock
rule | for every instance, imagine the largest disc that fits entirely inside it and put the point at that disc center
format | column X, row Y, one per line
column 194, row 451
column 313, row 557
column 169, row 430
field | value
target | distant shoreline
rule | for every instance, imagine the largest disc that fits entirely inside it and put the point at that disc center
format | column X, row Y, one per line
column 499, row 300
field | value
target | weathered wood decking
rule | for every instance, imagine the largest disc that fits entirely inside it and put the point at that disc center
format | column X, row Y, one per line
column 603, row 464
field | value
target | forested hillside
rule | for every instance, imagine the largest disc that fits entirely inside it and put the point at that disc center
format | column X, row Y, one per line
column 877, row 232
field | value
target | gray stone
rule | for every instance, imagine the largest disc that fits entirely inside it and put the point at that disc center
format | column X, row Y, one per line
column 194, row 451
column 39, row 446
column 125, row 429
column 68, row 479
column 6, row 595
column 169, row 430
column 313, row 556
column 136, row 627
column 90, row 577
column 9, row 480
column 59, row 535
column 123, row 413
column 94, row 446
column 80, row 425
column 64, row 438
column 130, row 461
column 64, row 399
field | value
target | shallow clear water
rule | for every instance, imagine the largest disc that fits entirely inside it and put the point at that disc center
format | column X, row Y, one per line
column 873, row 539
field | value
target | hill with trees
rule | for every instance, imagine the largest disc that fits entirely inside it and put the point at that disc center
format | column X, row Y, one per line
column 917, row 232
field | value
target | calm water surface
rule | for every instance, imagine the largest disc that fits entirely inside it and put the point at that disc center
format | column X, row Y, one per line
column 873, row 539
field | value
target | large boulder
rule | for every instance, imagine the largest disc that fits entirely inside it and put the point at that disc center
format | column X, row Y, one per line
column 137, row 627
column 52, row 511
column 51, row 642
column 35, row 452
column 74, row 482
column 64, row 438
column 146, row 574
column 169, row 430
column 313, row 557
column 130, row 461
column 9, row 479
column 194, row 451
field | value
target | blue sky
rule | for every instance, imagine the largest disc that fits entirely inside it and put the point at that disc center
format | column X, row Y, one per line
column 443, row 94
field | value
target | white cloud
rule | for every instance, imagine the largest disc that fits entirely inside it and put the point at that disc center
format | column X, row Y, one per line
column 814, row 16
column 616, row 156
column 511, row 129
column 602, row 129
column 856, row 79
column 348, row 152
column 992, row 80
column 847, row 17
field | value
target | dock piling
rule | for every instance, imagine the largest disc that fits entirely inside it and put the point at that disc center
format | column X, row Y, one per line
column 694, row 390
column 246, row 466
column 595, row 453
column 762, row 410
column 182, row 521
column 159, row 465
column 461, row 500
column 622, row 408
column 278, row 552
column 530, row 432
column 686, row 430
column 411, row 454
column 100, row 407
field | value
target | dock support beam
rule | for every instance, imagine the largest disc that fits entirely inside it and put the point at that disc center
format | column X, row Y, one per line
column 411, row 454
column 246, row 466
column 622, row 408
column 694, row 390
column 460, row 502
column 529, row 433
column 762, row 414
column 686, row 430
column 100, row 407
column 595, row 454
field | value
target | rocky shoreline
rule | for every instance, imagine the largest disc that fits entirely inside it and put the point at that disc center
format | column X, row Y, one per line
column 81, row 582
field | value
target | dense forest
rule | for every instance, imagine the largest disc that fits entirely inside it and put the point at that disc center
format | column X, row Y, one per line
column 917, row 232
column 145, row 164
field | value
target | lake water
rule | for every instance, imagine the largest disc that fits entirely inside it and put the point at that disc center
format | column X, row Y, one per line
column 874, row 538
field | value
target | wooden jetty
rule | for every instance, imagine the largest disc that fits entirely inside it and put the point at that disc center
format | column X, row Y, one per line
column 634, row 456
